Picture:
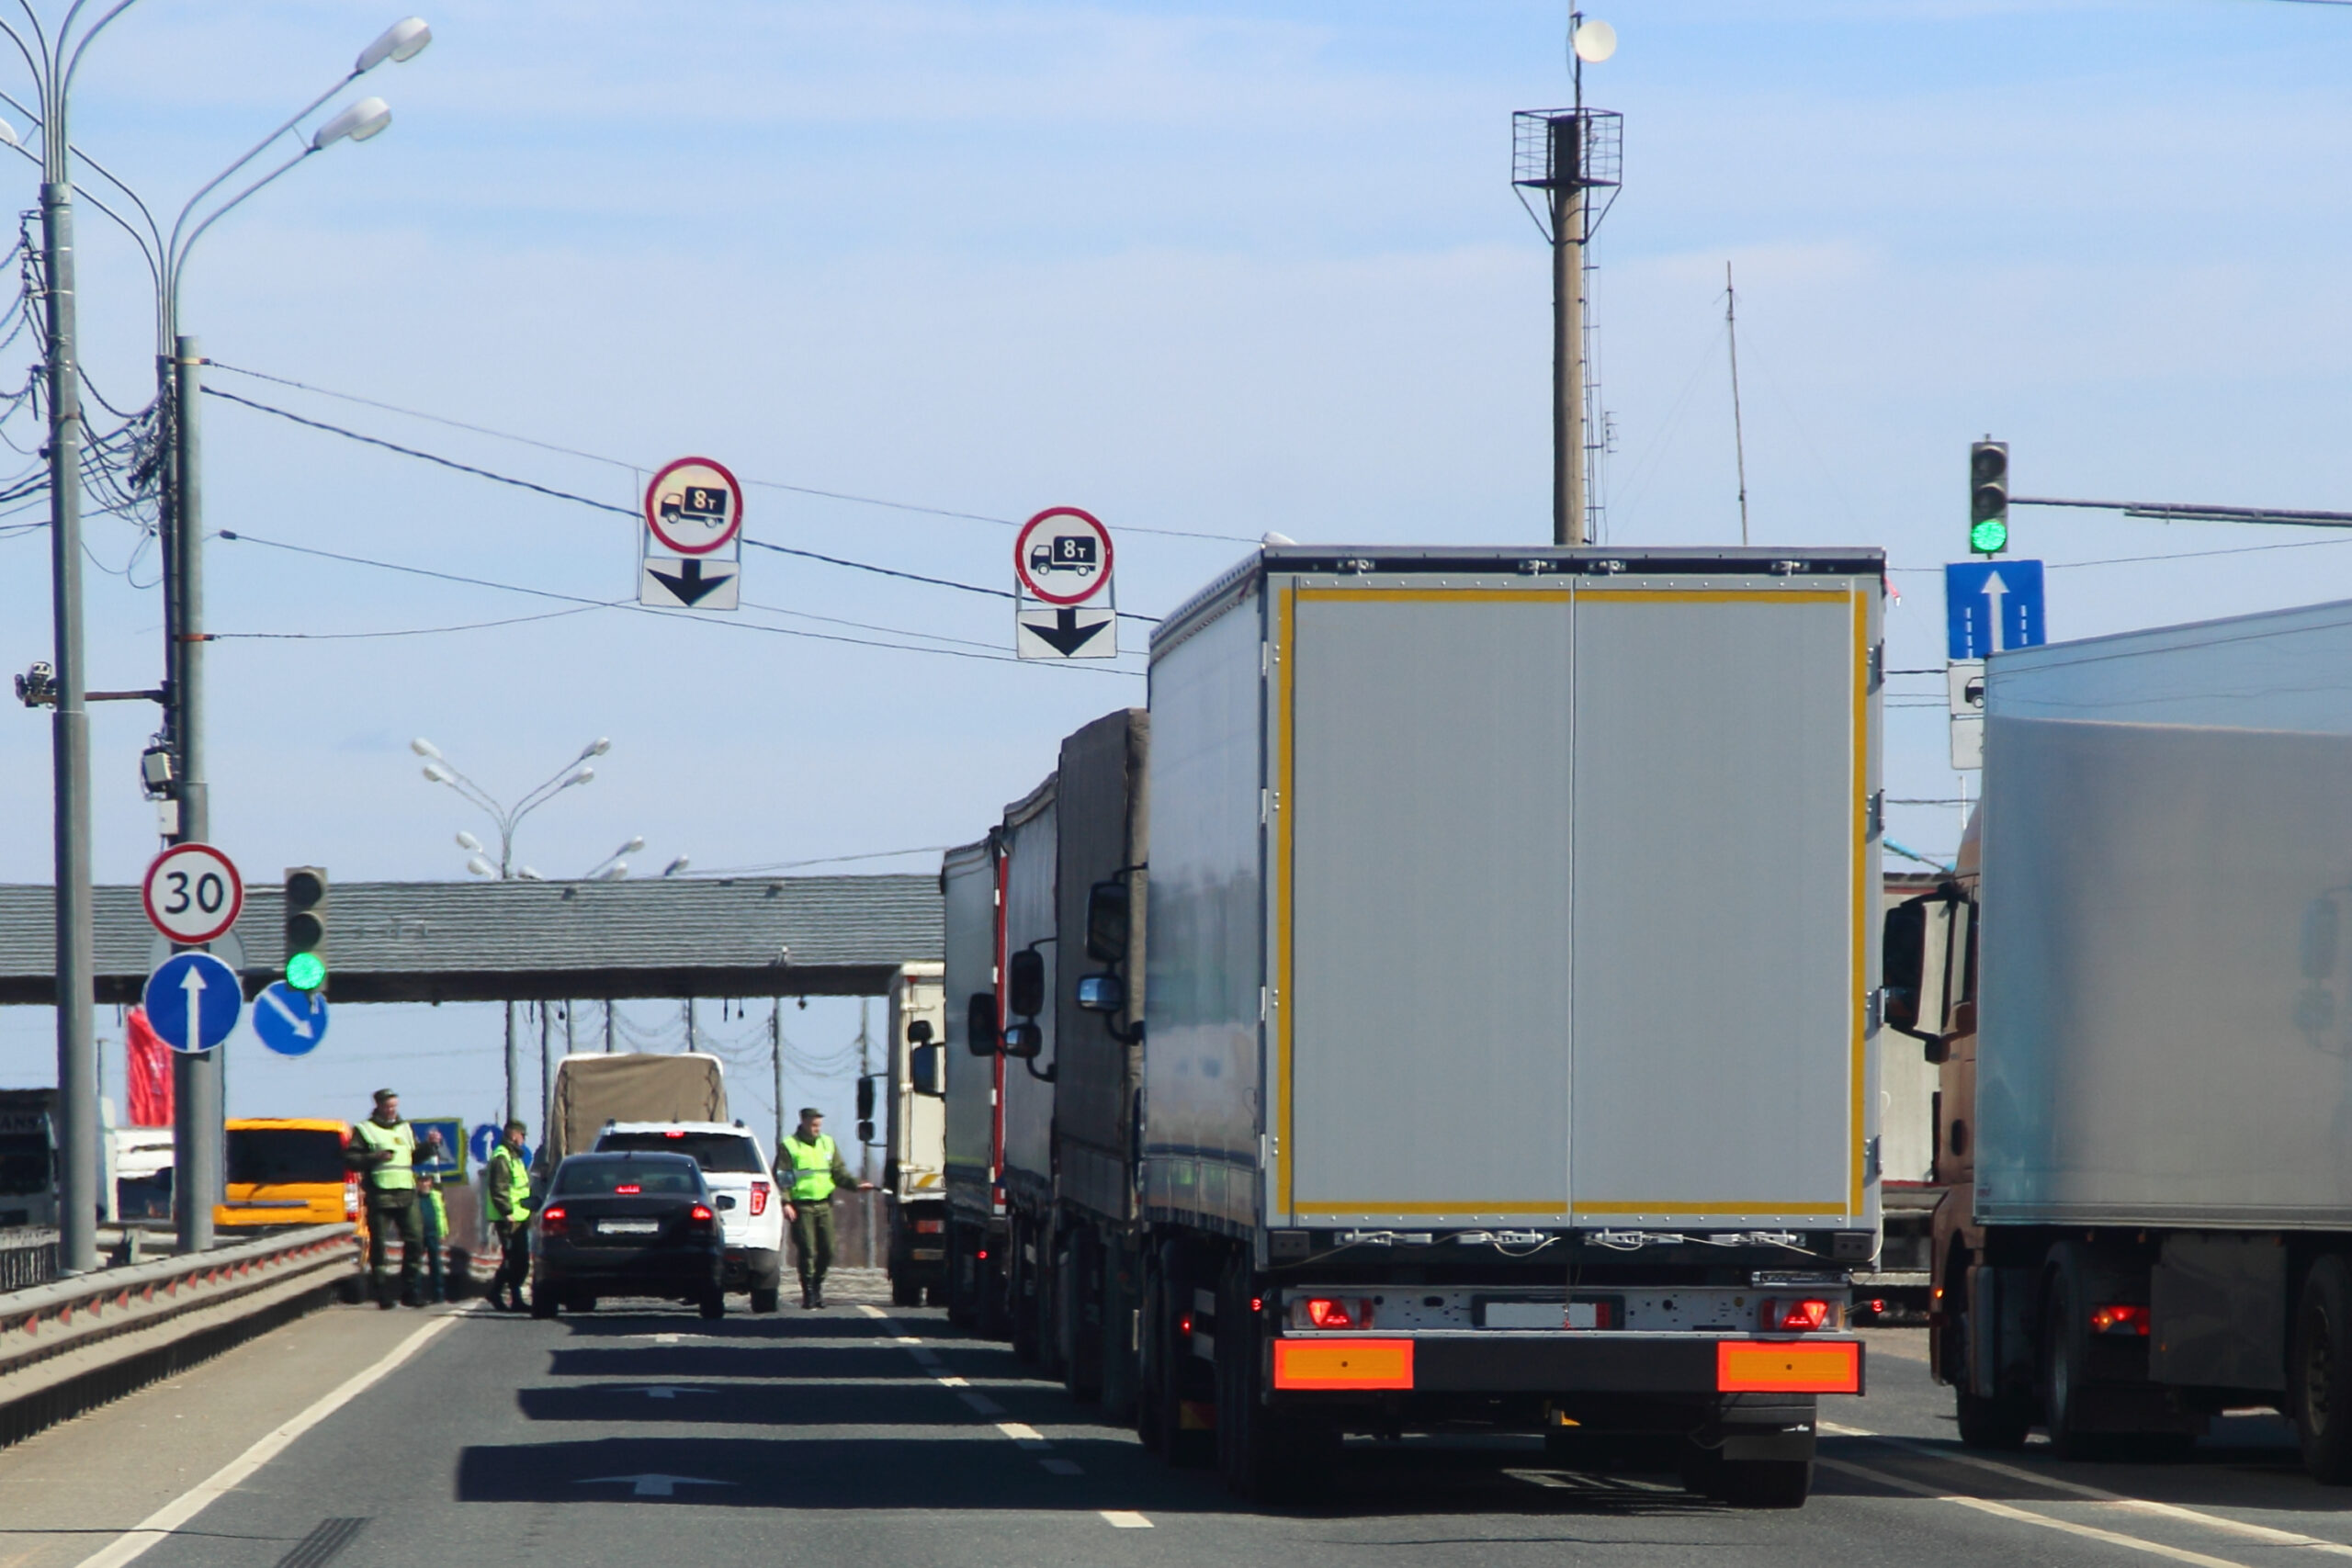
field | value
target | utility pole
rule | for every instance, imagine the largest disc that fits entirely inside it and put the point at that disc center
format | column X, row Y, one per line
column 776, row 1056
column 200, row 1097
column 546, row 1060
column 1564, row 153
column 1739, row 437
column 608, row 1026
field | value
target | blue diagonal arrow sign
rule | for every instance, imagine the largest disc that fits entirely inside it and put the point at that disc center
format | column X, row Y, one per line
column 193, row 1001
column 288, row 1022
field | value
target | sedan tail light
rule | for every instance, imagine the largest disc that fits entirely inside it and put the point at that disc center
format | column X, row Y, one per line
column 700, row 1214
column 553, row 1221
column 759, row 1198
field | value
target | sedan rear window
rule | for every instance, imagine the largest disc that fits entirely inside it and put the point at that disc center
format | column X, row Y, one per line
column 605, row 1178
column 731, row 1152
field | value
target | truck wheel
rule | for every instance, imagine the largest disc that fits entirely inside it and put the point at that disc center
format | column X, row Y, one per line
column 2062, row 1375
column 905, row 1293
column 2320, row 1376
column 1764, row 1483
column 765, row 1297
column 713, row 1303
column 1021, row 1277
column 542, row 1301
column 2000, row 1422
column 963, row 1280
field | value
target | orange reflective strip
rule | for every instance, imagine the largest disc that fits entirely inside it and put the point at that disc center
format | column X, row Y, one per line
column 1758, row 1366
column 1344, row 1363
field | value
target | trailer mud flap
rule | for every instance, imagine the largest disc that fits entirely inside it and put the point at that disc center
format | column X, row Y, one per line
column 1304, row 1365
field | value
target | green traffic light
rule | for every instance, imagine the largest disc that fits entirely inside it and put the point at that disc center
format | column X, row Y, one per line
column 1989, row 537
column 306, row 972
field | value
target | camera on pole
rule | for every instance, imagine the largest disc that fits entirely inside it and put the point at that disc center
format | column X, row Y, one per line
column 306, row 927
column 1988, row 497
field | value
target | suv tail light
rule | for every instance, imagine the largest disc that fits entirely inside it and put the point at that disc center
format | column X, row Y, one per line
column 759, row 1198
column 1331, row 1311
column 2120, row 1318
column 1795, row 1316
column 553, row 1221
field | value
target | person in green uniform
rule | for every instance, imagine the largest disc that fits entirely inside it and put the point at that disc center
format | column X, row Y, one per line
column 436, row 1215
column 507, row 1193
column 817, row 1172
column 383, row 1149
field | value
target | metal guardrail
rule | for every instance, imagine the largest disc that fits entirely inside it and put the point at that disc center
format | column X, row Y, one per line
column 28, row 1258
column 74, row 1343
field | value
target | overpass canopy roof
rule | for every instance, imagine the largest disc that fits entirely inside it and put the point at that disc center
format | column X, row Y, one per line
column 461, row 942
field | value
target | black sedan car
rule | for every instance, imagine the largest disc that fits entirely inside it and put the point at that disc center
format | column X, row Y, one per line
column 627, row 1225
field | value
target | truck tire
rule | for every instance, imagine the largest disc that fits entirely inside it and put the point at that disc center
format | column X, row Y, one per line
column 905, row 1293
column 2063, row 1354
column 1263, row 1455
column 1764, row 1483
column 1998, row 1422
column 1160, row 1410
column 2320, row 1374
column 962, row 1278
column 1020, row 1292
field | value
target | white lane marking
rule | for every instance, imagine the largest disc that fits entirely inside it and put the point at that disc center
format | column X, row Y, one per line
column 2100, row 1494
column 1536, row 1478
column 1126, row 1519
column 1023, row 1434
column 159, row 1525
column 651, row 1485
column 954, row 1383
column 1061, row 1467
column 2024, row 1517
column 871, row 1311
column 910, row 1338
column 981, row 1402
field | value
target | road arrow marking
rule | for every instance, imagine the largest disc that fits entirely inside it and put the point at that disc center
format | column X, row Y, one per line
column 1995, row 591
column 651, row 1485
column 299, row 1025
column 1065, row 637
column 688, row 583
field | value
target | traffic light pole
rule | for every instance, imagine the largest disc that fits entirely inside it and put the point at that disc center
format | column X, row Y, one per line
column 197, row 1103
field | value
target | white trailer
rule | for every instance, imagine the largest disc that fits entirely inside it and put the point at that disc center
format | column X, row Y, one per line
column 914, row 1135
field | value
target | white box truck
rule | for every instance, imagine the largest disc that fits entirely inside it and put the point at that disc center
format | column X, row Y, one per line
column 914, row 1136
column 1511, row 998
column 2139, row 989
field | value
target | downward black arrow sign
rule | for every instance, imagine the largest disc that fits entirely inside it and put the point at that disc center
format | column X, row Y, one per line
column 1065, row 637
column 690, row 585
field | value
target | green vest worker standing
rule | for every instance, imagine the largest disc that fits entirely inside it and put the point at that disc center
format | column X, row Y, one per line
column 507, row 1196
column 383, row 1149
column 816, row 1170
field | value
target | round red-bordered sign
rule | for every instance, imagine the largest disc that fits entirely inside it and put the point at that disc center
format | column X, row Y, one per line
column 1060, row 549
column 694, row 506
column 193, row 893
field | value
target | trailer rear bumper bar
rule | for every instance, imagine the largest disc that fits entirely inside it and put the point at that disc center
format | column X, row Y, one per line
column 1523, row 1362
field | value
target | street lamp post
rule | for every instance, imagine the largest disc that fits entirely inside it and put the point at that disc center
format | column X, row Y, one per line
column 439, row 770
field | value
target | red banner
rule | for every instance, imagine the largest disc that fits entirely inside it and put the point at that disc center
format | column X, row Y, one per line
column 147, row 1070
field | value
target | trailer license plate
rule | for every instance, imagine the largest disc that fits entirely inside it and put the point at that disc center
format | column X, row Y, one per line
column 628, row 1227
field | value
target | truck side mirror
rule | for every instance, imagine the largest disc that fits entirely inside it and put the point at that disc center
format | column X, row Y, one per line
column 865, row 1131
column 927, row 1070
column 980, row 1025
column 1025, row 983
column 1023, row 1041
column 1923, row 963
column 918, row 1032
column 1101, row 993
column 1106, row 923
column 865, row 1101
column 1903, row 947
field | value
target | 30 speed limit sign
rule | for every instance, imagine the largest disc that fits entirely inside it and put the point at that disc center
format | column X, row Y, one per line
column 193, row 893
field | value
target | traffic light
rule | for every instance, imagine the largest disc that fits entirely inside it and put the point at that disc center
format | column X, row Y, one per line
column 306, row 927
column 1988, row 497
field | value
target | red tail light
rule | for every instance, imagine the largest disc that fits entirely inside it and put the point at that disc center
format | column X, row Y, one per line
column 1795, row 1318
column 1185, row 1325
column 2120, row 1318
column 553, row 1221
column 351, row 1195
column 1326, row 1312
column 628, row 1190
column 673, row 1134
column 759, row 1198
column 699, row 1214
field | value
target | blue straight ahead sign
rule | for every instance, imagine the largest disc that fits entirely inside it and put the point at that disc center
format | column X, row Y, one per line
column 1991, row 606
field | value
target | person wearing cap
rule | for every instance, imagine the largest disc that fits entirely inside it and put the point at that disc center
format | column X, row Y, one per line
column 506, row 1194
column 817, row 1172
column 383, row 1150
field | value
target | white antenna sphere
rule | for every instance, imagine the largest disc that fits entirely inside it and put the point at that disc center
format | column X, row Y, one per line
column 1594, row 42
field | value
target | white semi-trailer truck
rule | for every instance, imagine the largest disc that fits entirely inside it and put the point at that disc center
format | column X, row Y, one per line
column 1510, row 989
column 2139, row 988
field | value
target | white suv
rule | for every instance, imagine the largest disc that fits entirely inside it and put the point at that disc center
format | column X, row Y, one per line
column 750, row 1205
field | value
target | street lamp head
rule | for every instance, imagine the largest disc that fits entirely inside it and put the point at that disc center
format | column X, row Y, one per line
column 595, row 748
column 614, row 872
column 674, row 867
column 425, row 748
column 481, row 867
column 528, row 875
column 631, row 848
column 439, row 774
column 403, row 41
column 8, row 134
column 583, row 776
column 468, row 841
column 362, row 119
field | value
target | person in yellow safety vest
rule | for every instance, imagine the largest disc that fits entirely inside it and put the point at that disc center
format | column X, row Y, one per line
column 507, row 1195
column 435, row 1215
column 816, row 1170
column 383, row 1149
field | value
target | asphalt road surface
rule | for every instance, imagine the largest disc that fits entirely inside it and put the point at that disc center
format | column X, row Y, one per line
column 865, row 1434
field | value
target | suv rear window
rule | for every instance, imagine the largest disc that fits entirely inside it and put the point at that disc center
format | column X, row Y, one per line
column 604, row 1178
column 733, row 1153
column 275, row 1156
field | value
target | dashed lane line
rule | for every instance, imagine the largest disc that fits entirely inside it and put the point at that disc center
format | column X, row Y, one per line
column 158, row 1525
column 2026, row 1516
column 1126, row 1519
column 2118, row 1500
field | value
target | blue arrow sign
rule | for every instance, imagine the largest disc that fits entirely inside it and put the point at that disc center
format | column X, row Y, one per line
column 452, row 1129
column 290, row 1022
column 1991, row 606
column 193, row 1001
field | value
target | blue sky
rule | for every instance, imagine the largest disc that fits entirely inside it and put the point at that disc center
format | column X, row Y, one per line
column 1216, row 268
